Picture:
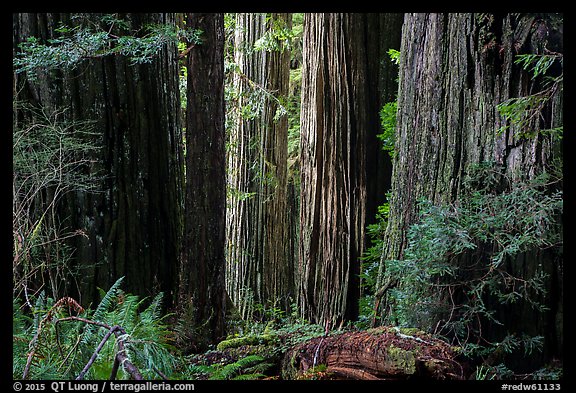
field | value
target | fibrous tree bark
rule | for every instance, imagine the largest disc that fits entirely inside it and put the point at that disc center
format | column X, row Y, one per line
column 259, row 251
column 131, row 224
column 455, row 69
column 383, row 353
column 202, row 294
column 339, row 120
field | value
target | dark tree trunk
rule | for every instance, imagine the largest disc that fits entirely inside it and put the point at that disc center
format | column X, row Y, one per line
column 202, row 265
column 455, row 69
column 339, row 114
column 132, row 222
column 385, row 32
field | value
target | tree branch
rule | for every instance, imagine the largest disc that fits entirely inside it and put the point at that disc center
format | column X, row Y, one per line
column 121, row 356
column 95, row 354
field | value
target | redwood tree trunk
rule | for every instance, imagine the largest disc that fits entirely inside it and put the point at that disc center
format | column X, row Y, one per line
column 277, row 259
column 132, row 223
column 455, row 69
column 338, row 114
column 202, row 292
column 259, row 261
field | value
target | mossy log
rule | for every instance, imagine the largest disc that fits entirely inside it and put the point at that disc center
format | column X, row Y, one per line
column 380, row 353
column 264, row 339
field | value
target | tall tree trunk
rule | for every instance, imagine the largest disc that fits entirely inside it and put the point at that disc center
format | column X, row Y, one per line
column 202, row 266
column 338, row 113
column 259, row 263
column 455, row 69
column 132, row 223
column 277, row 258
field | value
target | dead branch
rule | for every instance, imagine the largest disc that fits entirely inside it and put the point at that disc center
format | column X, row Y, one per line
column 96, row 352
column 121, row 356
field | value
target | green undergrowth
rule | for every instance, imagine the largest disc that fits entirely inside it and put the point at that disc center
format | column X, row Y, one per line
column 57, row 340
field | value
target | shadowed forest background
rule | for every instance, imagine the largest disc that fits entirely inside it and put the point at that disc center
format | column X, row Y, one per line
column 288, row 196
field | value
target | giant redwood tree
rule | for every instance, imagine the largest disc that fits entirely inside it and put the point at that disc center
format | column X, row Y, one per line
column 131, row 225
column 339, row 119
column 259, row 248
column 202, row 295
column 468, row 103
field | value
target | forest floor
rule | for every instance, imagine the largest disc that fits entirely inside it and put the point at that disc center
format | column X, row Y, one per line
column 374, row 354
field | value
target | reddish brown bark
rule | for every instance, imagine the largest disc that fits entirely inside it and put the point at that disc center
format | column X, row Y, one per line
column 382, row 353
column 202, row 294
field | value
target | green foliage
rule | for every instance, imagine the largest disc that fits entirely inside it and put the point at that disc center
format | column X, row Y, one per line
column 277, row 37
column 518, row 220
column 371, row 257
column 273, row 327
column 293, row 115
column 525, row 112
column 74, row 44
column 106, row 303
column 498, row 372
column 388, row 115
column 62, row 343
column 265, row 339
column 388, row 123
column 455, row 266
column 249, row 367
column 370, row 263
column 148, row 340
column 537, row 64
column 394, row 55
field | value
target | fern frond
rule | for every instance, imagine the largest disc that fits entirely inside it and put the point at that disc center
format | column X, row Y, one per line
column 259, row 368
column 39, row 309
column 108, row 300
column 231, row 370
column 100, row 312
column 127, row 314
column 202, row 369
column 250, row 360
column 153, row 311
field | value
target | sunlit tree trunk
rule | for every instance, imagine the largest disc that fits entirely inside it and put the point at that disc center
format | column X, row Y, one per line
column 259, row 262
column 339, row 118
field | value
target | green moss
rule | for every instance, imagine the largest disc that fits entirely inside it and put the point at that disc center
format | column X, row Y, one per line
column 411, row 331
column 247, row 340
column 401, row 359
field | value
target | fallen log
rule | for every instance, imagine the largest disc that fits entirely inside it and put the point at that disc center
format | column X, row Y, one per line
column 379, row 353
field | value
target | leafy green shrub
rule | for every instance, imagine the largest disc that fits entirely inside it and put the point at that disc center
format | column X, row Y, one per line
column 455, row 272
column 388, row 123
column 388, row 115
